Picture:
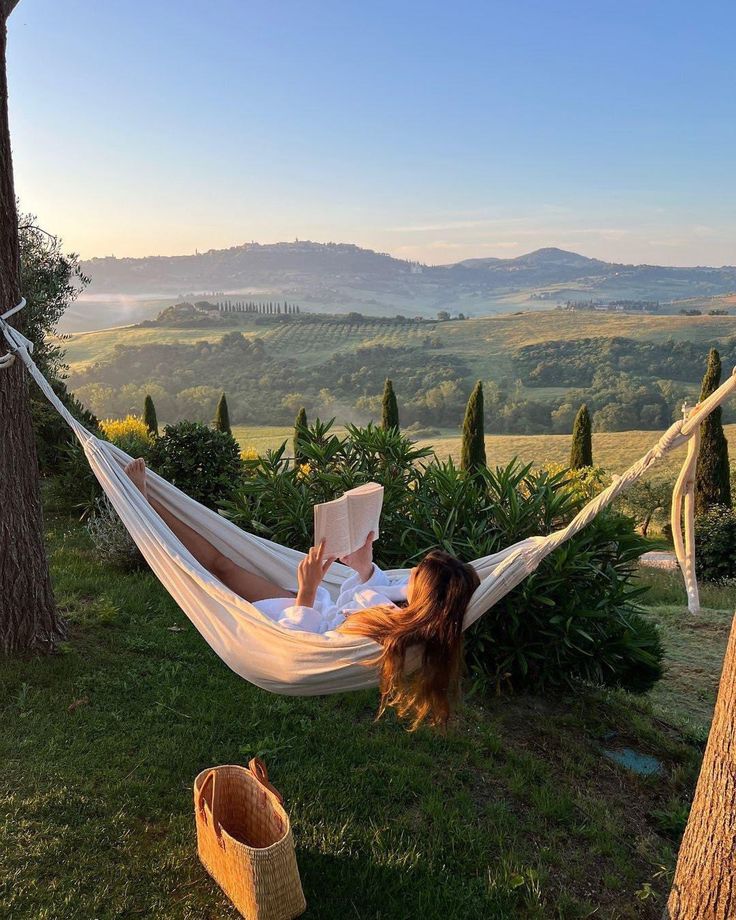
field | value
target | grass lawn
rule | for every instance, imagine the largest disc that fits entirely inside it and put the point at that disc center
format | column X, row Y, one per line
column 515, row 813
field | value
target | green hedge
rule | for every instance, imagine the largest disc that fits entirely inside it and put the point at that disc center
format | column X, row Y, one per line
column 715, row 544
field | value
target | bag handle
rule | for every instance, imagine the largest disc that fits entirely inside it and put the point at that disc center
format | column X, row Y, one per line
column 258, row 768
column 200, row 794
column 211, row 776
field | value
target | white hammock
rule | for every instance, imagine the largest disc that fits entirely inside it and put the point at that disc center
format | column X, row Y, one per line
column 300, row 663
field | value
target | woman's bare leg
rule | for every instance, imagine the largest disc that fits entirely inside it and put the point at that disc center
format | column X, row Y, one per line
column 247, row 584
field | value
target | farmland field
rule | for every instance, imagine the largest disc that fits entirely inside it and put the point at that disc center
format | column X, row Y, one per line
column 614, row 450
column 485, row 343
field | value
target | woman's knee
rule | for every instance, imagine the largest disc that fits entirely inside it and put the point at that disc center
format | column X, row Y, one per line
column 222, row 567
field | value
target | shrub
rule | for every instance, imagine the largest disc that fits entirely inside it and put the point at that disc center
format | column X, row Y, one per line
column 53, row 435
column 715, row 544
column 113, row 543
column 574, row 619
column 74, row 489
column 276, row 496
column 585, row 483
column 130, row 434
column 199, row 460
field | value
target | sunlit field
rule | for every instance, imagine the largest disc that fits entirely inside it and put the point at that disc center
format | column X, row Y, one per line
column 615, row 450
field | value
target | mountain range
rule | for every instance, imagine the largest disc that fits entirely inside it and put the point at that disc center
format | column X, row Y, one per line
column 339, row 277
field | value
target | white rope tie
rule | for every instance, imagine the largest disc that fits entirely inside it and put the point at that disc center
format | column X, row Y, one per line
column 14, row 338
column 18, row 306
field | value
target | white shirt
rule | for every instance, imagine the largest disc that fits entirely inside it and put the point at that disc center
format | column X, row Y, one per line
column 327, row 614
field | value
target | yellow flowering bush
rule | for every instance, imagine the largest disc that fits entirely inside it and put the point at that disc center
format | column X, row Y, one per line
column 129, row 434
column 116, row 429
column 248, row 453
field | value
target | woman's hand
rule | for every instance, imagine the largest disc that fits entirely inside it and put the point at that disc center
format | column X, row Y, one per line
column 312, row 569
column 362, row 559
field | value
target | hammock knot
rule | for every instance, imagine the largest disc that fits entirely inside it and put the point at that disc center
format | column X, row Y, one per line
column 16, row 340
column 673, row 437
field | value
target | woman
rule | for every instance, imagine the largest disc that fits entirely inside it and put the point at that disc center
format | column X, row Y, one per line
column 433, row 600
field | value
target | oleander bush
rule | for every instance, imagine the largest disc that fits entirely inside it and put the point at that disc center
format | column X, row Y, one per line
column 576, row 619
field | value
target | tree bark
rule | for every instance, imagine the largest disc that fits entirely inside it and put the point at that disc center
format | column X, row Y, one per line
column 704, row 887
column 28, row 617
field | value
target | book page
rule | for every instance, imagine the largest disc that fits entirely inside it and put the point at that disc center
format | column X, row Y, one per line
column 364, row 512
column 331, row 525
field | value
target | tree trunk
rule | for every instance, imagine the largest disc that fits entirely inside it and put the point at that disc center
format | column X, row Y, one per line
column 704, row 887
column 28, row 616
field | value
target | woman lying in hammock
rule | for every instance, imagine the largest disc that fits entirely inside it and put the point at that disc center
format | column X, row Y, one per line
column 425, row 610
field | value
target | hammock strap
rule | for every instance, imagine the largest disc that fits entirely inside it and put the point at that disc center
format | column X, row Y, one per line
column 15, row 339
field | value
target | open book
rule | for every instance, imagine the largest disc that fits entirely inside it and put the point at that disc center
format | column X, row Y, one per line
column 344, row 524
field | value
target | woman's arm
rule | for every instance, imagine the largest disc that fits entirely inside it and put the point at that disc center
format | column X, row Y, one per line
column 312, row 569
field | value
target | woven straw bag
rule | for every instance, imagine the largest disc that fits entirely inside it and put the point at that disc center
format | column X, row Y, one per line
column 245, row 842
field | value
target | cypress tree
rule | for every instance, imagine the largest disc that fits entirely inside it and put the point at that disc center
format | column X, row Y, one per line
column 581, row 453
column 473, row 454
column 222, row 416
column 300, row 427
column 149, row 415
column 390, row 407
column 712, row 479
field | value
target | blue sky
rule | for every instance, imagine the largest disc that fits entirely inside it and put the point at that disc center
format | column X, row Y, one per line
column 431, row 130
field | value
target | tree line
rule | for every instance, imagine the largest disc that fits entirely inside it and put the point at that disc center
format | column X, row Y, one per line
column 270, row 307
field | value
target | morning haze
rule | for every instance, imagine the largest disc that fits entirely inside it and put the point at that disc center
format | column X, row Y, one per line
column 478, row 257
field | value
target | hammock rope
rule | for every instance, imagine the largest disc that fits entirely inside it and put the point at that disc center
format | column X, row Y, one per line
column 299, row 663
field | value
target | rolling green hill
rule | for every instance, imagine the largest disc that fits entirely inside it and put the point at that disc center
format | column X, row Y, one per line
column 485, row 341
column 634, row 370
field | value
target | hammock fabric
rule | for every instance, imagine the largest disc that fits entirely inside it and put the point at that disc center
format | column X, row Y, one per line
column 299, row 663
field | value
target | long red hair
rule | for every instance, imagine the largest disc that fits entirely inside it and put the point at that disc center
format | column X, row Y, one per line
column 432, row 622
